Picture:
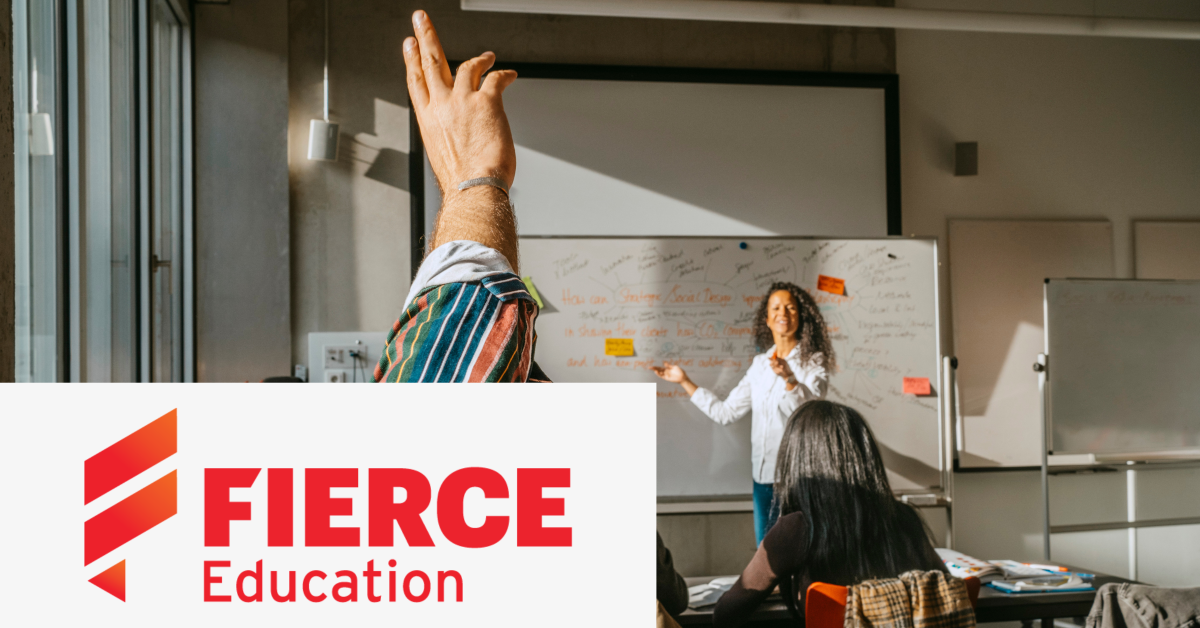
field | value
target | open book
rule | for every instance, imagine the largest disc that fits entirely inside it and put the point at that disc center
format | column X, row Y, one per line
column 1010, row 576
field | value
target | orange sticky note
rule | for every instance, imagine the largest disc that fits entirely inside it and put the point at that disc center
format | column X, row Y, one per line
column 916, row 386
column 832, row 285
column 620, row 347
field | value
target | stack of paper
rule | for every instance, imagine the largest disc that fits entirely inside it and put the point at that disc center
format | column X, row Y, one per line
column 703, row 595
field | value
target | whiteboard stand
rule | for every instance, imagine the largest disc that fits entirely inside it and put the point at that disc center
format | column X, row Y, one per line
column 947, row 452
column 1040, row 367
column 949, row 440
column 1085, row 322
column 1131, row 517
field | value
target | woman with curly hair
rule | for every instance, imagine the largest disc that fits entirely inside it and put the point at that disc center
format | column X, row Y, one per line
column 793, row 368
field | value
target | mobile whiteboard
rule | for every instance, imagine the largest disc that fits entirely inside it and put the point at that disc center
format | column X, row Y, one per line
column 1124, row 359
column 694, row 300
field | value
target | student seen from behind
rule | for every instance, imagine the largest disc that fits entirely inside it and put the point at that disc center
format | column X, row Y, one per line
column 839, row 521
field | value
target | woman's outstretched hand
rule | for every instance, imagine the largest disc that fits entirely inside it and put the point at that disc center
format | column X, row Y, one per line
column 672, row 373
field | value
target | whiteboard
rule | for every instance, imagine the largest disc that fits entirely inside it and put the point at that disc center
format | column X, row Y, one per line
column 694, row 299
column 638, row 157
column 1124, row 357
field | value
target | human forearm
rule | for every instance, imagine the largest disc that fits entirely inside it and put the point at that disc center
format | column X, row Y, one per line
column 750, row 590
column 481, row 214
column 688, row 386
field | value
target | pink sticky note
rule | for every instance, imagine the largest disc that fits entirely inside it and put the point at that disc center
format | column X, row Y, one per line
column 916, row 386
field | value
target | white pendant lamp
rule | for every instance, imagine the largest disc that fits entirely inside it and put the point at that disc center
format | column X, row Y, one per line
column 323, row 134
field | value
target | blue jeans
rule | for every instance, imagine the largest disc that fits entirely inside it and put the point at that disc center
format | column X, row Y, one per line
column 766, row 511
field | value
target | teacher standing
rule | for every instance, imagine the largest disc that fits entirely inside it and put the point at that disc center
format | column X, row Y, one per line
column 793, row 368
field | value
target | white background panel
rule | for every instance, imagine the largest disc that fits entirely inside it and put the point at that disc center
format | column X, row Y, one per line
column 394, row 426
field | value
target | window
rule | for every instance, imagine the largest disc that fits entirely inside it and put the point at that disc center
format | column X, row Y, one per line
column 36, row 123
column 107, row 207
column 103, row 215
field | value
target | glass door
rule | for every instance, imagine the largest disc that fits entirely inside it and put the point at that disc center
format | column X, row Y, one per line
column 166, row 194
column 107, row 206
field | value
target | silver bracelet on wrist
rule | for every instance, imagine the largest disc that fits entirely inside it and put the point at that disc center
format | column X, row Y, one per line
column 495, row 182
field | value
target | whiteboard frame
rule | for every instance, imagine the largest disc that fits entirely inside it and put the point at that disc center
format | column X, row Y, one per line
column 889, row 83
column 941, row 496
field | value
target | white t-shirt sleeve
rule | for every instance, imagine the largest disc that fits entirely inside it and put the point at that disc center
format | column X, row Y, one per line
column 460, row 261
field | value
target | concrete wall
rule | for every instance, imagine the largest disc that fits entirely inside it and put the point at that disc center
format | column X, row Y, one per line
column 243, row 312
column 350, row 219
column 8, row 269
column 1068, row 127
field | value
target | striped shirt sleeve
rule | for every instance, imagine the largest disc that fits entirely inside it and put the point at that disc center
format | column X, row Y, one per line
column 479, row 331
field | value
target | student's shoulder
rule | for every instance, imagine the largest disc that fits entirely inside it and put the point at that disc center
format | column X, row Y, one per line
column 788, row 528
column 785, row 543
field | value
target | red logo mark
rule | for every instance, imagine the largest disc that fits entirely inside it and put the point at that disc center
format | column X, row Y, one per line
column 134, row 515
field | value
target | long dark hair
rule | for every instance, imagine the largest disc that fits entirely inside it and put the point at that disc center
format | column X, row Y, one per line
column 829, row 469
column 812, row 333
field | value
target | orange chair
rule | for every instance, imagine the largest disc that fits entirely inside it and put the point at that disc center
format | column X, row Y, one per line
column 825, row 604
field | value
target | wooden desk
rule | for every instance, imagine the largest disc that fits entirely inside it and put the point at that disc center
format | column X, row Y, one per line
column 992, row 606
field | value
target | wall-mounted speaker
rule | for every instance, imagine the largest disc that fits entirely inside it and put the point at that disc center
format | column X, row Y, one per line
column 966, row 159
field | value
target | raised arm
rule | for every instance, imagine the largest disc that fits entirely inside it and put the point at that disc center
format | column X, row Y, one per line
column 466, row 136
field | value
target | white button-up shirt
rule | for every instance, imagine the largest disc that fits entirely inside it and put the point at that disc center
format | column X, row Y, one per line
column 766, row 396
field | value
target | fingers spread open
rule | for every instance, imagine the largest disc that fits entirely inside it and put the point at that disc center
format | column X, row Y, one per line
column 417, row 91
column 433, row 58
column 470, row 72
column 495, row 82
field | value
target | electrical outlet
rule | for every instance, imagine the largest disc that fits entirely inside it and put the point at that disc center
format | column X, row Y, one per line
column 338, row 356
column 335, row 376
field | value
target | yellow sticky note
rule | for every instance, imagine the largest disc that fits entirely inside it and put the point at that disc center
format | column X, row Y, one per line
column 533, row 291
column 621, row 347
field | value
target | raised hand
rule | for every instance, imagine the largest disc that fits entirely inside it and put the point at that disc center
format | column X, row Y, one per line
column 466, row 136
column 462, row 118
